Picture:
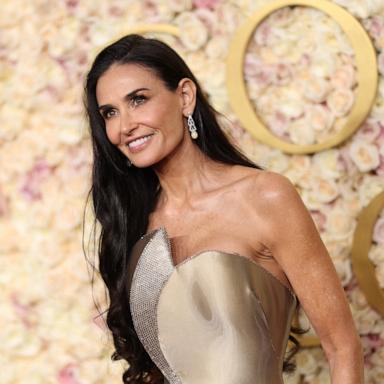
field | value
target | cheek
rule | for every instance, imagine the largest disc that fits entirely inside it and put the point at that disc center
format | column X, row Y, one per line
column 165, row 114
column 112, row 134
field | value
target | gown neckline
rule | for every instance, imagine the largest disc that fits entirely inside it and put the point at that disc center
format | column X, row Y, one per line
column 200, row 253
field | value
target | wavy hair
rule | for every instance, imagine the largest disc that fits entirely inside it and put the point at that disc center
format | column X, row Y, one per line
column 123, row 196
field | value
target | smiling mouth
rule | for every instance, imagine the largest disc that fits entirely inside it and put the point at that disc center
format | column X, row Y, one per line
column 139, row 143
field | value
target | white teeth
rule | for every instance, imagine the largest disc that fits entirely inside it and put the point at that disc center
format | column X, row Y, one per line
column 137, row 142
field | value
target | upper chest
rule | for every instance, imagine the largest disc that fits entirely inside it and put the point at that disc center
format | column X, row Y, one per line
column 222, row 222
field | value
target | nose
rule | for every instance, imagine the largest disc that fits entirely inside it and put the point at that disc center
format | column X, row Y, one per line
column 127, row 124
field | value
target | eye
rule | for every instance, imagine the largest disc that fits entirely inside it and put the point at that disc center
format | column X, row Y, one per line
column 137, row 100
column 108, row 113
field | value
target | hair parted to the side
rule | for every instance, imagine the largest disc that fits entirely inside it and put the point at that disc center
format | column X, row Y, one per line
column 123, row 196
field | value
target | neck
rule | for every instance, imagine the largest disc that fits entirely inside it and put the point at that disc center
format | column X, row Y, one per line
column 185, row 175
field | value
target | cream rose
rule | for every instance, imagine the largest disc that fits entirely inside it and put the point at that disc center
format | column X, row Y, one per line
column 326, row 190
column 306, row 363
column 327, row 163
column 340, row 101
column 369, row 187
column 319, row 118
column 369, row 131
column 364, row 155
column 301, row 132
column 339, row 223
column 344, row 77
column 315, row 89
column 193, row 32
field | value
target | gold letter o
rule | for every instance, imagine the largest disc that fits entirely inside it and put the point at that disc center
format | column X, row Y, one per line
column 367, row 76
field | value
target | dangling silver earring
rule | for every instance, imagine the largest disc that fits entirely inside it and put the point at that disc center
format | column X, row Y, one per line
column 129, row 163
column 192, row 127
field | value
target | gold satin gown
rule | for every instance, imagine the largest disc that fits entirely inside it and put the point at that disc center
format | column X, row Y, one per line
column 215, row 318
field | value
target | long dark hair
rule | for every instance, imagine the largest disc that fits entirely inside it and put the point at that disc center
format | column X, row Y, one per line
column 123, row 196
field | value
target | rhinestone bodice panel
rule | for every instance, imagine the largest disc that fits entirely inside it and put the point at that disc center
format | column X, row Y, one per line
column 215, row 318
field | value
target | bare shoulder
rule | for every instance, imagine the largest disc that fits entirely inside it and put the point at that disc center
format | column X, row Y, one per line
column 272, row 202
column 275, row 188
column 268, row 186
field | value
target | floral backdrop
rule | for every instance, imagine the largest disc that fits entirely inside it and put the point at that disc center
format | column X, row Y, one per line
column 301, row 77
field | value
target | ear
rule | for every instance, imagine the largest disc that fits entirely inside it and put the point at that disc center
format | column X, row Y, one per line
column 188, row 95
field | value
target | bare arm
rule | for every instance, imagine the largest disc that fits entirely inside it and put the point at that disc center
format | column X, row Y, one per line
column 293, row 238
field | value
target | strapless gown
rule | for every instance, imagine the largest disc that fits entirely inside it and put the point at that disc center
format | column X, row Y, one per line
column 215, row 318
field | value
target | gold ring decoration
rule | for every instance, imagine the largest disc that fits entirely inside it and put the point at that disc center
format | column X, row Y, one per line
column 362, row 266
column 367, row 76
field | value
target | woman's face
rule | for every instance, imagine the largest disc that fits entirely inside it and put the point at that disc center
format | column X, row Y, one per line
column 143, row 119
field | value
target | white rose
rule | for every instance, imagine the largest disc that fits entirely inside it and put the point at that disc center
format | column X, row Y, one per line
column 369, row 187
column 175, row 6
column 299, row 165
column 357, row 300
column 322, row 377
column 193, row 32
column 301, row 132
column 217, row 48
column 339, row 224
column 65, row 38
column 322, row 64
column 277, row 122
column 366, row 320
column 289, row 102
column 315, row 89
column 277, row 161
column 375, row 374
column 344, row 270
column 229, row 17
column 310, row 199
column 319, row 117
column 356, row 7
column 344, row 77
column 364, row 155
column 210, row 20
column 340, row 101
column 326, row 190
column 376, row 254
column 327, row 163
column 369, row 131
column 306, row 363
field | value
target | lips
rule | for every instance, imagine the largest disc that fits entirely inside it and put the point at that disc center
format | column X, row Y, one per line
column 139, row 142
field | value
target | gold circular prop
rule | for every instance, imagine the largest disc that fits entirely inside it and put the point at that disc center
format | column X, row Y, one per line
column 362, row 266
column 367, row 76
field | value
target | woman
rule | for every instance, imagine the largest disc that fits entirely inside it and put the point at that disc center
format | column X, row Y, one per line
column 205, row 255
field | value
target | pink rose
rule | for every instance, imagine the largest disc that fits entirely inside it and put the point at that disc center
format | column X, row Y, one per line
column 255, row 71
column 319, row 218
column 23, row 311
column 67, row 375
column 4, row 204
column 369, row 131
column 210, row 4
column 376, row 27
column 263, row 33
column 380, row 169
column 30, row 188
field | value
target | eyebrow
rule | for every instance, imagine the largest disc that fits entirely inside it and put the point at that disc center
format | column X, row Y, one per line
column 126, row 97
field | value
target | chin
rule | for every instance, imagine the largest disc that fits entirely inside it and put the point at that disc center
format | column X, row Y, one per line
column 144, row 163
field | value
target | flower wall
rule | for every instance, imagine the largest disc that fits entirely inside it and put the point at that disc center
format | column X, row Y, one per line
column 301, row 78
